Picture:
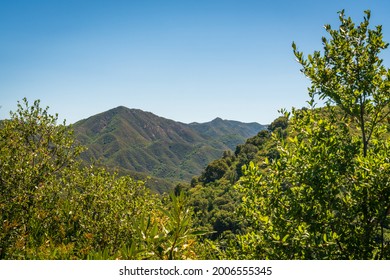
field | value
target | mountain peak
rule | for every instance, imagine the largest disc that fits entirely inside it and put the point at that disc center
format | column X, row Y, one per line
column 217, row 119
column 123, row 109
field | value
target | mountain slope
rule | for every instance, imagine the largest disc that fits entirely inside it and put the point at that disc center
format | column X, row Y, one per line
column 230, row 133
column 131, row 140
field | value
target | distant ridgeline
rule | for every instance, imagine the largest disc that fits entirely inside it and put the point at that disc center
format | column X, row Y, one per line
column 144, row 145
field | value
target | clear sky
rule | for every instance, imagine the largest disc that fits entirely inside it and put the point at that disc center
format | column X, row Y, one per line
column 186, row 60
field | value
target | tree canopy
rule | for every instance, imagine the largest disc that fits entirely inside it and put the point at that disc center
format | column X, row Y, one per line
column 327, row 196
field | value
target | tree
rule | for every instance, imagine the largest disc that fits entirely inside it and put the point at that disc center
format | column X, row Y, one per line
column 214, row 171
column 34, row 150
column 279, row 123
column 327, row 195
column 351, row 75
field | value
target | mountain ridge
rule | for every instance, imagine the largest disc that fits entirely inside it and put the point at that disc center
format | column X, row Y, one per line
column 136, row 141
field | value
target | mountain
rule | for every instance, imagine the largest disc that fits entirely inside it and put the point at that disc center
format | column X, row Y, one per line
column 137, row 142
column 230, row 133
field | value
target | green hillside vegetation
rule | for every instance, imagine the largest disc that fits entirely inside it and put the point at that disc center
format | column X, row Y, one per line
column 53, row 207
column 229, row 133
column 318, row 186
column 141, row 144
column 314, row 185
column 327, row 196
column 213, row 195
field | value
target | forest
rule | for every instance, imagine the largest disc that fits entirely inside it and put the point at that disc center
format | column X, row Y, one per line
column 314, row 185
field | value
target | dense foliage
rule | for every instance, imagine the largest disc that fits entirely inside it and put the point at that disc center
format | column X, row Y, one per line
column 53, row 208
column 328, row 194
column 213, row 195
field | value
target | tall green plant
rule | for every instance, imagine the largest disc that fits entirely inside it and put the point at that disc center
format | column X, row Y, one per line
column 171, row 235
column 34, row 151
column 327, row 196
column 351, row 74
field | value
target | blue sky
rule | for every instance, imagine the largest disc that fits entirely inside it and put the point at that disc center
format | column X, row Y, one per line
column 187, row 60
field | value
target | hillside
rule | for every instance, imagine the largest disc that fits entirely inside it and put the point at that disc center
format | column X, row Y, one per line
column 139, row 143
column 213, row 195
column 230, row 133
